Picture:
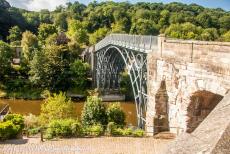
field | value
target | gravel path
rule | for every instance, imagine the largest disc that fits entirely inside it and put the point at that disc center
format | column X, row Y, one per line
column 101, row 145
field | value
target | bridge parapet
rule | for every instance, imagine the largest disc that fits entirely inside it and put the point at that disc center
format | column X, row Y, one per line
column 212, row 56
column 142, row 43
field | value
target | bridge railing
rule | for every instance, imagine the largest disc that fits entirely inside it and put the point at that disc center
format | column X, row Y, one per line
column 144, row 43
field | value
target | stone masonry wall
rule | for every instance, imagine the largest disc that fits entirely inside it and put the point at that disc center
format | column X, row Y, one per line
column 186, row 67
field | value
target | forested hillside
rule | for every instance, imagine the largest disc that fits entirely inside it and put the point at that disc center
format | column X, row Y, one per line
column 51, row 42
column 88, row 24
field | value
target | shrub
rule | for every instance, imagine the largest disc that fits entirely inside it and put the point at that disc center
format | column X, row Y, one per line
column 34, row 131
column 8, row 130
column 63, row 128
column 31, row 121
column 115, row 114
column 127, row 132
column 138, row 133
column 16, row 119
column 55, row 107
column 94, row 112
column 94, row 130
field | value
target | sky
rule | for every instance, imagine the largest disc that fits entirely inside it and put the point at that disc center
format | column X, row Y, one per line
column 37, row 5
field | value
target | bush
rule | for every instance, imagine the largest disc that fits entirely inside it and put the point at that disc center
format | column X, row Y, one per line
column 16, row 119
column 138, row 133
column 115, row 114
column 63, row 128
column 94, row 130
column 127, row 132
column 94, row 112
column 34, row 131
column 55, row 107
column 8, row 130
column 113, row 129
column 31, row 121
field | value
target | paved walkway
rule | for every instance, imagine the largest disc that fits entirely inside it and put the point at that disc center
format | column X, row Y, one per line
column 102, row 145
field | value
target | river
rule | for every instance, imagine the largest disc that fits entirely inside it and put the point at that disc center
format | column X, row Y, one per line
column 26, row 107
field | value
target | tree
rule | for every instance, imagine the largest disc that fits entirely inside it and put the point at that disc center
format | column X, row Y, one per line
column 29, row 43
column 60, row 20
column 98, row 35
column 209, row 34
column 115, row 114
column 76, row 30
column 79, row 72
column 56, row 107
column 44, row 31
column 226, row 37
column 185, row 31
column 144, row 27
column 94, row 112
column 204, row 20
column 6, row 56
column 50, row 68
column 15, row 35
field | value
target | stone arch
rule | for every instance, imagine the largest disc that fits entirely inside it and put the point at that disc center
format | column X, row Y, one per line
column 201, row 103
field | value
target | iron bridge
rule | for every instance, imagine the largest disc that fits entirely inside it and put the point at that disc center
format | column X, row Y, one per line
column 117, row 53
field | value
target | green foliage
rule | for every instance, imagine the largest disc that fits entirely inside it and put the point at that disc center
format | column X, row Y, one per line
column 50, row 68
column 16, row 119
column 98, row 35
column 11, row 126
column 79, row 71
column 63, row 128
column 114, row 129
column 94, row 112
column 6, row 55
column 125, row 86
column 29, row 44
column 33, row 131
column 31, row 121
column 15, row 35
column 226, row 36
column 45, row 30
column 184, row 31
column 8, row 130
column 56, row 107
column 138, row 133
column 209, row 34
column 116, row 114
column 144, row 27
column 94, row 130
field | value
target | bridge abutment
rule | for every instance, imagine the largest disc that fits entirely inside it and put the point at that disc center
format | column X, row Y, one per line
column 188, row 68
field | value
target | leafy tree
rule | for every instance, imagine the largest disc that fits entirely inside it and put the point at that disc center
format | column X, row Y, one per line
column 50, row 68
column 144, row 27
column 6, row 56
column 60, row 20
column 45, row 30
column 79, row 72
column 76, row 30
column 204, row 20
column 94, row 112
column 209, row 34
column 115, row 114
column 98, row 35
column 56, row 107
column 184, row 31
column 29, row 43
column 226, row 37
column 224, row 22
column 15, row 35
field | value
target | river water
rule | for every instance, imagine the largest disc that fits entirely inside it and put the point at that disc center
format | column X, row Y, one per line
column 26, row 107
